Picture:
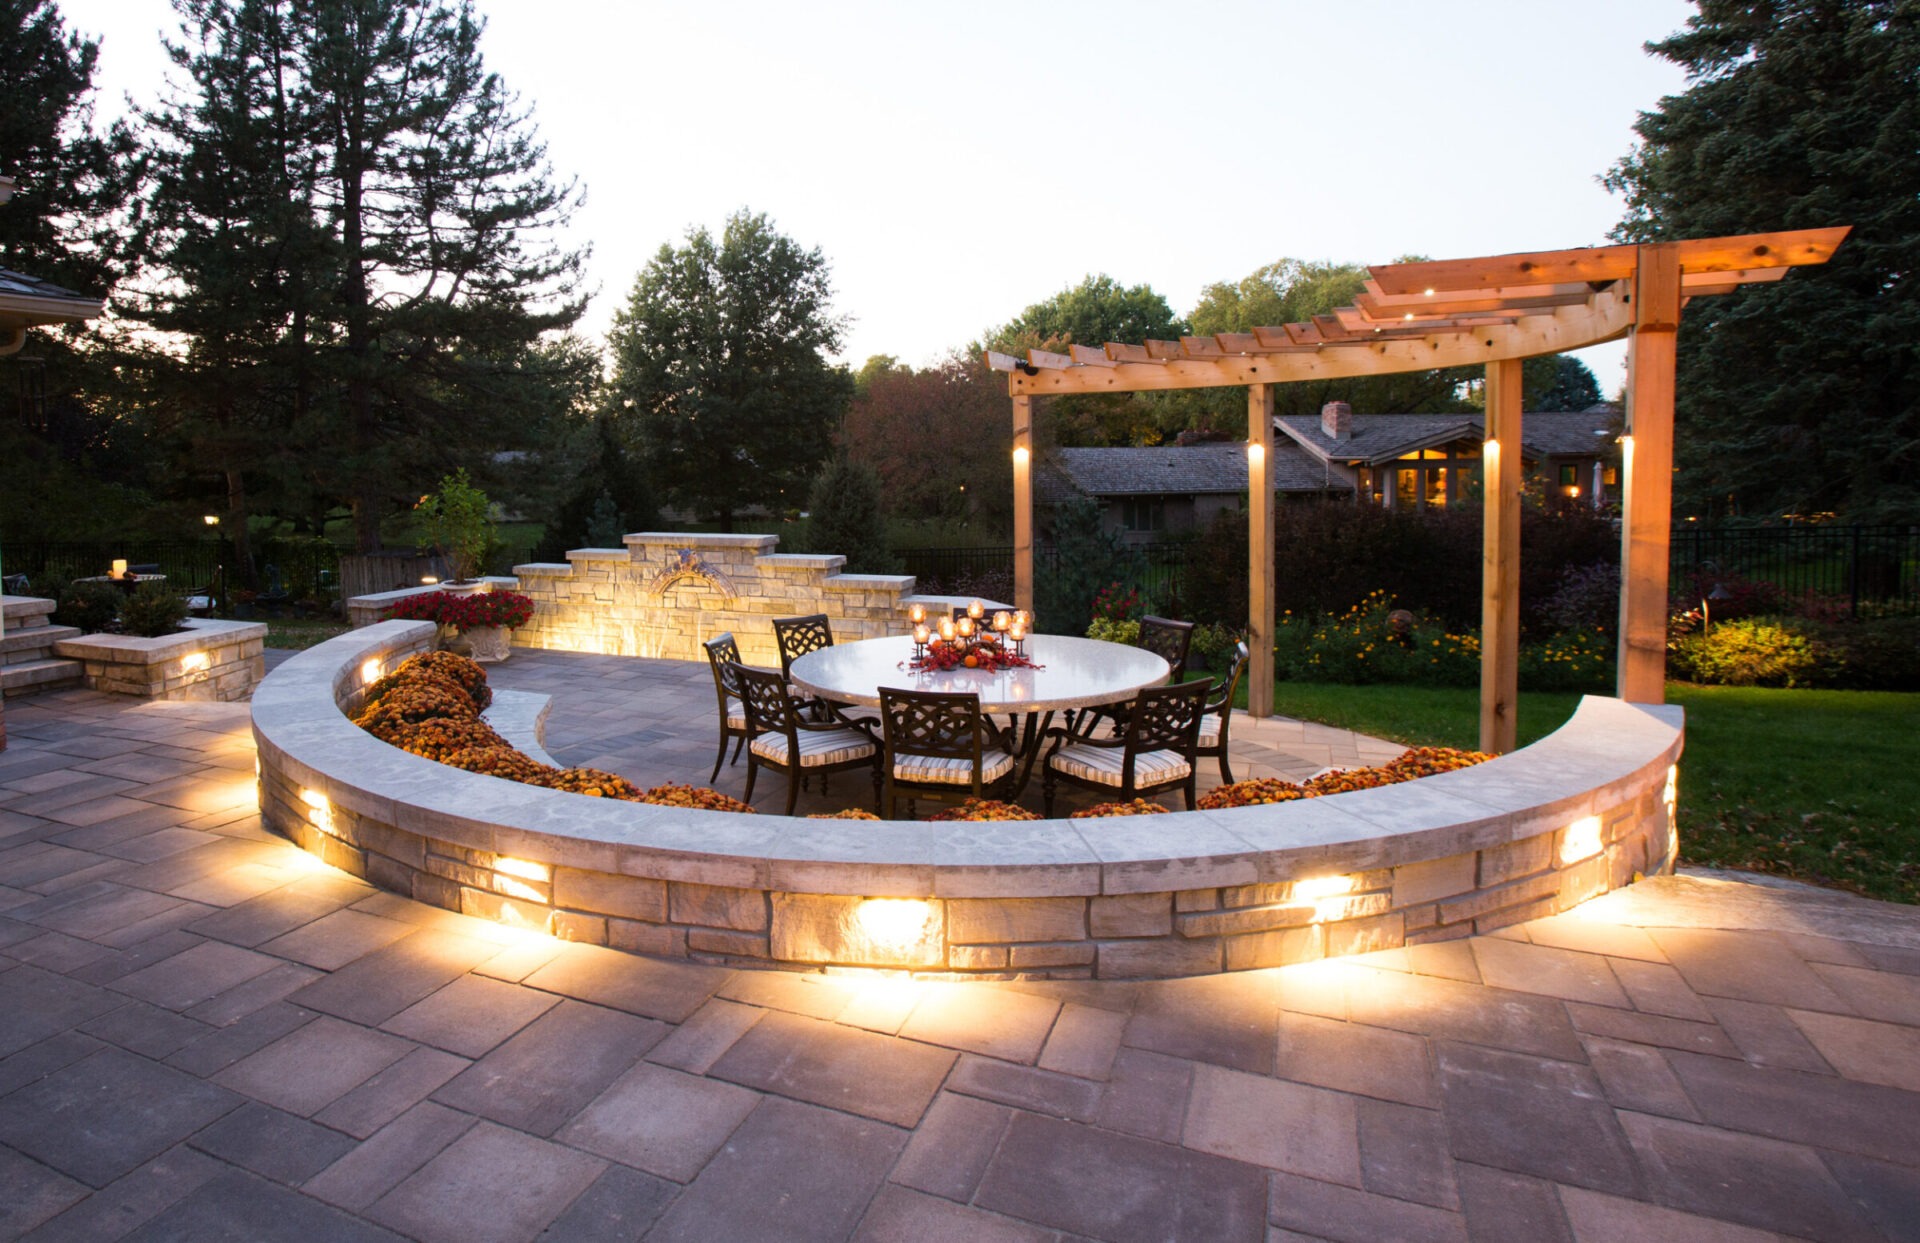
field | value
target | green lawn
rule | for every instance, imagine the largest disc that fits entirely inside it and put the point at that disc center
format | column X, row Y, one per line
column 1817, row 785
column 300, row 633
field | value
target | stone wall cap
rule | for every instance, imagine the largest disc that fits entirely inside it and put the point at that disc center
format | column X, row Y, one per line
column 199, row 634
column 802, row 560
column 599, row 554
column 699, row 539
column 868, row 582
column 26, row 606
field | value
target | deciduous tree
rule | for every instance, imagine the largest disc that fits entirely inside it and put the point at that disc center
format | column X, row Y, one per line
column 721, row 351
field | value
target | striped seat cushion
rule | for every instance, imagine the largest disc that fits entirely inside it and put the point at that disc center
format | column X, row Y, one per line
column 951, row 770
column 1103, row 765
column 1210, row 732
column 736, row 720
column 817, row 746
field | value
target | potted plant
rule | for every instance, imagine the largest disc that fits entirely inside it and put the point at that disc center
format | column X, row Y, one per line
column 455, row 518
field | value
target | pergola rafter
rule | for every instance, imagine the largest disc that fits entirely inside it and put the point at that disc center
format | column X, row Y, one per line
column 1493, row 312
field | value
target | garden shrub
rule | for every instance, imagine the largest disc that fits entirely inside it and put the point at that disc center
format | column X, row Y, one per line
column 1587, row 598
column 1368, row 643
column 1876, row 655
column 91, row 607
column 1110, row 631
column 1755, row 651
column 1574, row 660
column 1088, row 558
column 1327, row 555
column 152, row 611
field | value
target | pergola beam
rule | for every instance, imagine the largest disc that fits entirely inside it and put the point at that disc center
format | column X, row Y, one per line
column 1489, row 312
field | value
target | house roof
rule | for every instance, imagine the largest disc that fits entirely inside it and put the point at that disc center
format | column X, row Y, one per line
column 1379, row 438
column 28, row 300
column 1172, row 470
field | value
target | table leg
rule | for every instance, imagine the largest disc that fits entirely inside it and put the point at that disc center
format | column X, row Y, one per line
column 1034, row 731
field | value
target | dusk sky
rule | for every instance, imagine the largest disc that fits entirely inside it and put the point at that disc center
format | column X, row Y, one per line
column 957, row 163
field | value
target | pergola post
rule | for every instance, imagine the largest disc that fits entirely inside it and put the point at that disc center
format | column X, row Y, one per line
column 1023, row 503
column 1647, row 475
column 1500, row 561
column 1259, row 550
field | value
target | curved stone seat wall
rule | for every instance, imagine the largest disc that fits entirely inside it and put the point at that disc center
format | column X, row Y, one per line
column 1581, row 812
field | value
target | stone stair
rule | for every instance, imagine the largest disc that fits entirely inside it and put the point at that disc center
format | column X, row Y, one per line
column 27, row 662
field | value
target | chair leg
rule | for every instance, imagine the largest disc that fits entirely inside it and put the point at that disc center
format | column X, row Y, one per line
column 1226, row 773
column 740, row 744
column 876, row 789
column 793, row 790
column 1047, row 784
column 753, row 771
column 1188, row 790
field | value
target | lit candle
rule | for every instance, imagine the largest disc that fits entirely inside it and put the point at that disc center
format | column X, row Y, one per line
column 920, row 634
column 1018, row 634
column 119, row 567
column 917, row 614
column 1001, row 620
column 976, row 610
column 966, row 627
column 946, row 627
column 1021, row 619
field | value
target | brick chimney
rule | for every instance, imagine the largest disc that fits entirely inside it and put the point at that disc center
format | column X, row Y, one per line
column 1336, row 420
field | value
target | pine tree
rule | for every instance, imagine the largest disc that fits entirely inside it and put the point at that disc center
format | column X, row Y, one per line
column 1802, row 396
column 845, row 517
column 721, row 353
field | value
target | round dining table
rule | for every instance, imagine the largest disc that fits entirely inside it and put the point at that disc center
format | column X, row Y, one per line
column 1069, row 673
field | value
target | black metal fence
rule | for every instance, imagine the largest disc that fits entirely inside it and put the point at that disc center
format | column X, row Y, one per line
column 1874, row 566
column 982, row 570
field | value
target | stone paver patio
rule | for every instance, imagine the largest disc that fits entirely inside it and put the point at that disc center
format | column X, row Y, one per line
column 205, row 1033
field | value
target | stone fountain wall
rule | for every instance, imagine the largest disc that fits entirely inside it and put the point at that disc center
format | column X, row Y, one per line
column 664, row 594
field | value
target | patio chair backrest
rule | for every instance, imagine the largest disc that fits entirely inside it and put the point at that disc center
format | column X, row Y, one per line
column 722, row 651
column 1166, row 718
column 799, row 635
column 1223, row 692
column 933, row 723
column 1169, row 640
column 770, row 709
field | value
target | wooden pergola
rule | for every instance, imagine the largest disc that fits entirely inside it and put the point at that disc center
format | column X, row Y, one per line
column 1492, row 312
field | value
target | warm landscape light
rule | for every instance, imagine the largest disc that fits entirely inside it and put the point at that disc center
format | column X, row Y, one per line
column 212, row 520
column 1581, row 841
column 195, row 662
column 1256, row 453
column 1020, row 455
column 370, row 671
column 319, row 810
column 893, row 926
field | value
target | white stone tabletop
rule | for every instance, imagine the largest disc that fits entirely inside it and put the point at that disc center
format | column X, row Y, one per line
column 1074, row 673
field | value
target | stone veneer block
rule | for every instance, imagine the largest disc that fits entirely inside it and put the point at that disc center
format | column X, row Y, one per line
column 858, row 932
column 1131, row 915
column 631, row 897
column 715, row 906
column 1005, row 920
column 1500, row 864
column 1275, row 949
column 1437, row 878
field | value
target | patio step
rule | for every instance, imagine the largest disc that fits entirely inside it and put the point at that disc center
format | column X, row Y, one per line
column 39, row 675
column 32, row 643
column 25, row 612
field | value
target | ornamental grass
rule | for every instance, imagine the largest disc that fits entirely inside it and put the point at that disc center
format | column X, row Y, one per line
column 984, row 809
column 1137, row 807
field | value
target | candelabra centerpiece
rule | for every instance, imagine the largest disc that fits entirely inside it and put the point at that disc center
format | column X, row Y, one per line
column 970, row 640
